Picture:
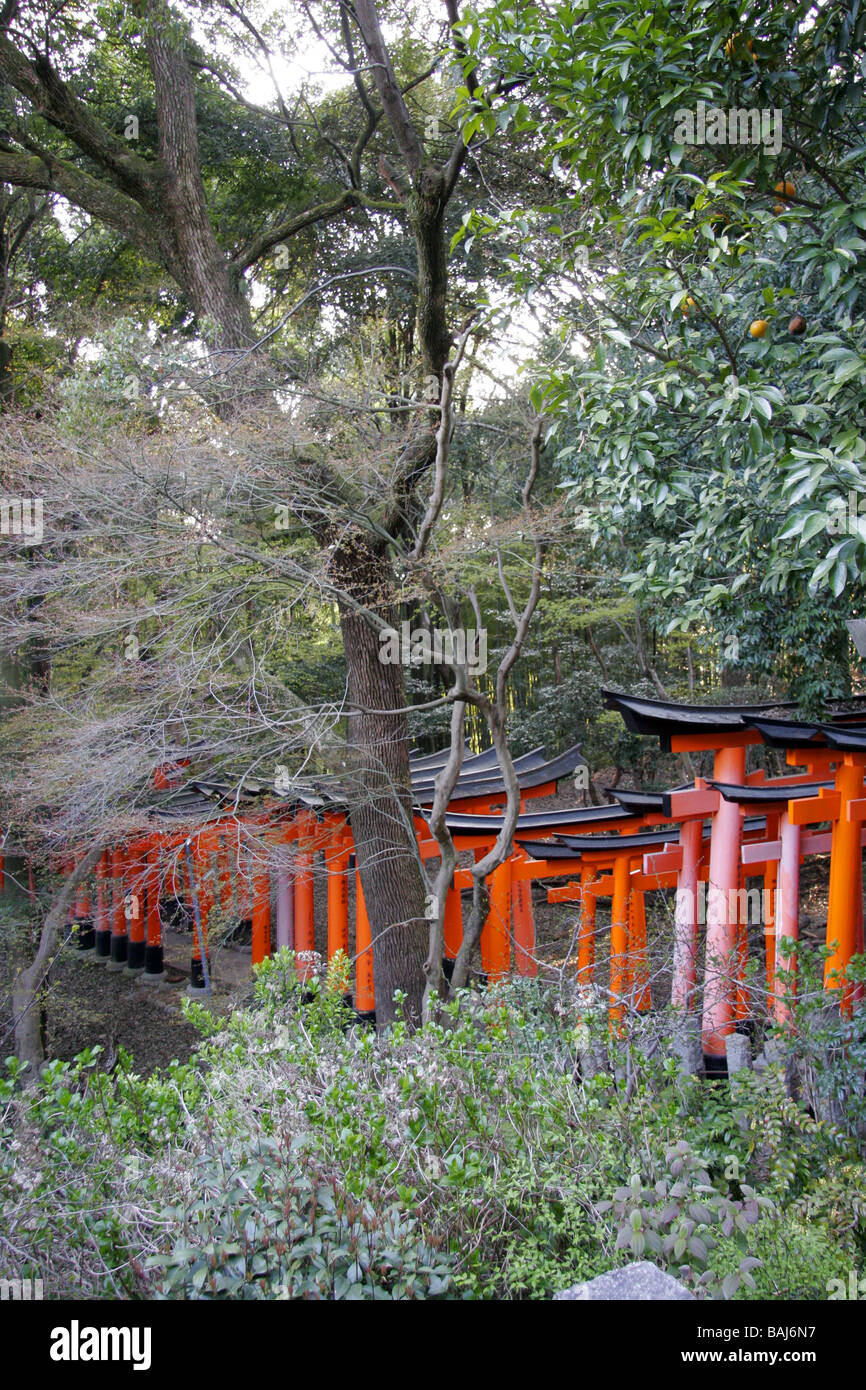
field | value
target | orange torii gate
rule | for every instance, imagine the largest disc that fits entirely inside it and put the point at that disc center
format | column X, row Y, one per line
column 129, row 881
column 510, row 914
column 235, row 856
column 722, row 732
column 608, row 866
column 625, row 867
column 780, row 855
column 727, row 732
column 241, row 855
column 841, row 750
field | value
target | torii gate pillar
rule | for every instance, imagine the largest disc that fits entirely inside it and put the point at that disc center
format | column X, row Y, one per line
column 721, row 963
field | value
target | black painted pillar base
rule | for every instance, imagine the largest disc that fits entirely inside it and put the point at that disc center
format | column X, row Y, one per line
column 119, row 951
column 715, row 1068
column 153, row 965
column 102, row 944
column 196, row 977
column 85, row 936
column 135, row 955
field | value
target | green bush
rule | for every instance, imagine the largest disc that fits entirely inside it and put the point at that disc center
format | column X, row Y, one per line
column 281, row 1226
column 793, row 1259
column 679, row 1219
column 506, row 1151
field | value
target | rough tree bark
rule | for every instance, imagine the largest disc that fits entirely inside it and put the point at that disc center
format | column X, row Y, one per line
column 26, row 1006
column 381, row 810
column 202, row 269
column 398, row 886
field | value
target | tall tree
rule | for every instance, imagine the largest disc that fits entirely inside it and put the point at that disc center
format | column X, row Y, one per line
column 160, row 202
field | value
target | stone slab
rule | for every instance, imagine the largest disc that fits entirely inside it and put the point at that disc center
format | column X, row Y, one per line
column 636, row 1282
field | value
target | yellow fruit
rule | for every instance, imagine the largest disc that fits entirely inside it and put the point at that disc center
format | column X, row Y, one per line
column 688, row 305
column 758, row 328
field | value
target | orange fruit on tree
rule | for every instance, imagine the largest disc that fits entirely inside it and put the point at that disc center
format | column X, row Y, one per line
column 758, row 327
column 688, row 305
column 738, row 46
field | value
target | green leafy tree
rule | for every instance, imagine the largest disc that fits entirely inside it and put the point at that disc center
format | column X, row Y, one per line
column 706, row 253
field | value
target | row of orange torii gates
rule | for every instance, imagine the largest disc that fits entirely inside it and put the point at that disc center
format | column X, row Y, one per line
column 702, row 840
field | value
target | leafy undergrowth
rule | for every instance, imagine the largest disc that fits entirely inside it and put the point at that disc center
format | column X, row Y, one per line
column 299, row 1156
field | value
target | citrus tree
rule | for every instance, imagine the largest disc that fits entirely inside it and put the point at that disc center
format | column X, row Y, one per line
column 703, row 271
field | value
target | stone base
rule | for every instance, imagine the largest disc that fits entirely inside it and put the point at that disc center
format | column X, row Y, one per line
column 687, row 1046
column 738, row 1053
column 641, row 1282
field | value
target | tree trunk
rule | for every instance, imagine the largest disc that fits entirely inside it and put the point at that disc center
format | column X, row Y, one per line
column 427, row 216
column 7, row 381
column 381, row 807
column 200, row 265
column 26, row 1005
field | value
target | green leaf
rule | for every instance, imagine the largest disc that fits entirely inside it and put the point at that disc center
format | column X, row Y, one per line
column 698, row 1249
column 814, row 522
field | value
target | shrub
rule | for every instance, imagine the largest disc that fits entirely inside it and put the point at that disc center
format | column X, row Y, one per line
column 792, row 1259
column 676, row 1221
column 279, row 1225
column 506, row 1151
